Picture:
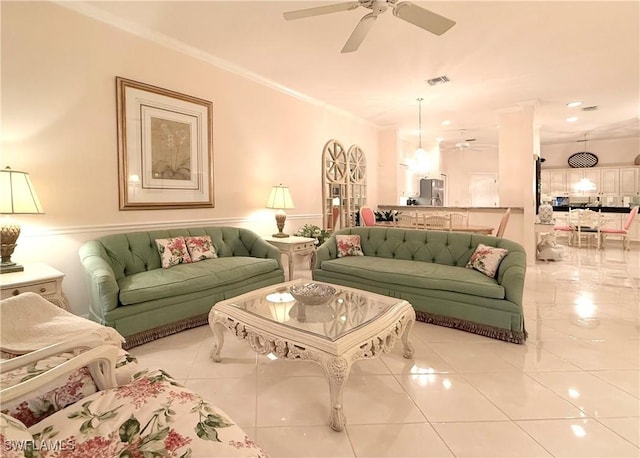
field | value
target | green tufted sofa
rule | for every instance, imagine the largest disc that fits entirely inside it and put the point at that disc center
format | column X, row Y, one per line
column 427, row 268
column 131, row 292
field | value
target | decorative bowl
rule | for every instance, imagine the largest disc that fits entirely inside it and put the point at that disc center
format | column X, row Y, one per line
column 312, row 293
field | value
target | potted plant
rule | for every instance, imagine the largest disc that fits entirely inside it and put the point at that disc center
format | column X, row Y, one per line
column 310, row 230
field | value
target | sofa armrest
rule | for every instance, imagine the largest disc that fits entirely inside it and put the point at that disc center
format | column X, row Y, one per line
column 103, row 287
column 263, row 249
column 511, row 274
column 100, row 359
column 328, row 250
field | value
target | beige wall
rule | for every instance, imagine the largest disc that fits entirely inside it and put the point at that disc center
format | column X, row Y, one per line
column 59, row 124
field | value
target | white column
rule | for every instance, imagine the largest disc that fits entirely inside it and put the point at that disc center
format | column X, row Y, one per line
column 387, row 166
column 518, row 148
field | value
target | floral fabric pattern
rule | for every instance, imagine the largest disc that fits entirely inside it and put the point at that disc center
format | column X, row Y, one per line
column 11, row 432
column 153, row 416
column 200, row 248
column 348, row 245
column 486, row 259
column 55, row 396
column 173, row 251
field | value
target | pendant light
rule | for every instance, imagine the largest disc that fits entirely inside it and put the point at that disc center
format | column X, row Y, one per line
column 420, row 99
column 420, row 154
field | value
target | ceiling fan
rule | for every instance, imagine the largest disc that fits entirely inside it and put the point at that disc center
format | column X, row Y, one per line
column 465, row 144
column 407, row 11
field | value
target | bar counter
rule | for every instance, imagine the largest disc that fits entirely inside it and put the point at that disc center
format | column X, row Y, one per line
column 566, row 208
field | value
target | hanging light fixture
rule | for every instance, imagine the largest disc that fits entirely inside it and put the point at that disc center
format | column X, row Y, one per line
column 420, row 99
column 420, row 154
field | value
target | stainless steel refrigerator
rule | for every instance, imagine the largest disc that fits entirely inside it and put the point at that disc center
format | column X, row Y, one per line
column 431, row 192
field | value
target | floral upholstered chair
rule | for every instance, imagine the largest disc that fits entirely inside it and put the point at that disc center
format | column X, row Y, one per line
column 153, row 415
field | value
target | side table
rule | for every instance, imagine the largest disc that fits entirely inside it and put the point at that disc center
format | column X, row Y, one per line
column 292, row 245
column 36, row 278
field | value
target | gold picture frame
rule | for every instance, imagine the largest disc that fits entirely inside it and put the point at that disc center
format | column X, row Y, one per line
column 165, row 148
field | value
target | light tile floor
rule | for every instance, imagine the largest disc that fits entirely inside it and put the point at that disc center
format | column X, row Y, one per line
column 572, row 390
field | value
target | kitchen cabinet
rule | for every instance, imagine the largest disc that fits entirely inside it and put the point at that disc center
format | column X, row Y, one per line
column 629, row 180
column 554, row 181
column 609, row 182
column 574, row 176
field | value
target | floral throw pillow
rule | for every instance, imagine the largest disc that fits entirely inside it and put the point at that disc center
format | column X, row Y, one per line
column 200, row 248
column 486, row 259
column 173, row 251
column 349, row 245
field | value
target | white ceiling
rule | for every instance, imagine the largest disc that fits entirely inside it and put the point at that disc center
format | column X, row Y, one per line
column 498, row 56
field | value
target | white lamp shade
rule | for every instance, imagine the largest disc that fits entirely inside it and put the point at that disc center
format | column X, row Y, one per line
column 17, row 195
column 280, row 198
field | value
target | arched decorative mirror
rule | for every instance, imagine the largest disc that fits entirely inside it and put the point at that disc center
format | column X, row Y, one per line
column 344, row 184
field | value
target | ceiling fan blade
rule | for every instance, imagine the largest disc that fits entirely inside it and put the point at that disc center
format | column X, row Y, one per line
column 425, row 19
column 358, row 34
column 336, row 7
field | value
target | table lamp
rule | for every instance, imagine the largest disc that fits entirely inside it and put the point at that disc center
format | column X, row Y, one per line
column 17, row 197
column 280, row 199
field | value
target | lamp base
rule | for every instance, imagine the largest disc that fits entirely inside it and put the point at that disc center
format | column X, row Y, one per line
column 9, row 233
column 280, row 219
column 6, row 268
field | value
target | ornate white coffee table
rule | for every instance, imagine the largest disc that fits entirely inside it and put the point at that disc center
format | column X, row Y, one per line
column 353, row 325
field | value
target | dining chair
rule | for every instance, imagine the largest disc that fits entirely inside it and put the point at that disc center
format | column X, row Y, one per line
column 436, row 222
column 407, row 220
column 459, row 219
column 367, row 217
column 624, row 232
column 587, row 226
column 503, row 223
column 567, row 227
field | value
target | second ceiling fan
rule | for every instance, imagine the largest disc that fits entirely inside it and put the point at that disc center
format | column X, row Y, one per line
column 407, row 11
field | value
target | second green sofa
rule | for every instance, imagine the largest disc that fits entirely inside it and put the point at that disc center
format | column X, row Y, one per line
column 427, row 268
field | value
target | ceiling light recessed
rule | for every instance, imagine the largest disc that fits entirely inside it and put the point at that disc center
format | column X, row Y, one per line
column 572, row 119
column 446, row 122
column 438, row 80
column 574, row 104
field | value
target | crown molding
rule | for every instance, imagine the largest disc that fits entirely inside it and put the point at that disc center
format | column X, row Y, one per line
column 100, row 15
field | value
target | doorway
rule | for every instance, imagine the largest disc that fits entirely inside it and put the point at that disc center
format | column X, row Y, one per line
column 484, row 190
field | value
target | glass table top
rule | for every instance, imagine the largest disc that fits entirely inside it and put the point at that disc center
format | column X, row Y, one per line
column 346, row 311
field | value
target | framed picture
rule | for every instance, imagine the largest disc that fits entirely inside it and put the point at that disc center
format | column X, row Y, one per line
column 165, row 149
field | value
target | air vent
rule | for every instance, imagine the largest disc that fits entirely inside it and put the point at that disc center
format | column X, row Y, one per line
column 591, row 108
column 439, row 80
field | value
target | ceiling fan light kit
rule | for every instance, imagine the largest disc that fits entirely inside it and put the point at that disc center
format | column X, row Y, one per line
column 407, row 11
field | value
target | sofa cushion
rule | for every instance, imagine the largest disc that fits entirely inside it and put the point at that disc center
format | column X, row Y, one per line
column 187, row 278
column 200, row 248
column 417, row 274
column 348, row 245
column 486, row 259
column 173, row 251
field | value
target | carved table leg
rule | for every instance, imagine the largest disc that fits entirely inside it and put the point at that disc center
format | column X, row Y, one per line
column 408, row 349
column 336, row 369
column 218, row 340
